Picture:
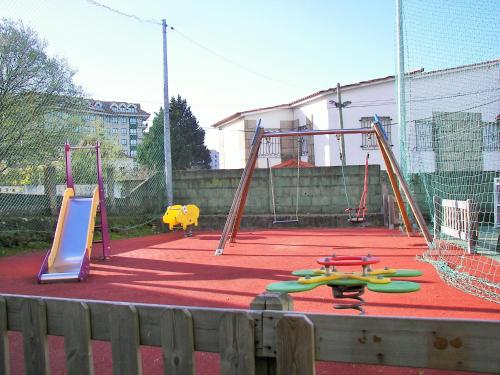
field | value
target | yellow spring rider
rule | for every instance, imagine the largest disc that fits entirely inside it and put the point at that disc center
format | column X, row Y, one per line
column 184, row 217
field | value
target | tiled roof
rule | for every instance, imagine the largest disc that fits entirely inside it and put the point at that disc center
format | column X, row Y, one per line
column 105, row 108
column 292, row 163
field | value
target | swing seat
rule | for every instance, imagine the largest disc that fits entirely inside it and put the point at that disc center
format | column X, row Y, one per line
column 289, row 221
column 358, row 218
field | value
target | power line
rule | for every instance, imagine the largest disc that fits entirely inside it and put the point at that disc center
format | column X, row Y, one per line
column 151, row 21
column 196, row 43
column 235, row 63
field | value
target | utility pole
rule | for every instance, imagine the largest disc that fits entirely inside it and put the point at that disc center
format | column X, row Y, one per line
column 166, row 120
column 339, row 105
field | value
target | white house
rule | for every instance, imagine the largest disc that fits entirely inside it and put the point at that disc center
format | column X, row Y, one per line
column 465, row 88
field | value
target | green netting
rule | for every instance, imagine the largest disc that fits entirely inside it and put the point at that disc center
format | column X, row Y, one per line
column 42, row 106
column 450, row 134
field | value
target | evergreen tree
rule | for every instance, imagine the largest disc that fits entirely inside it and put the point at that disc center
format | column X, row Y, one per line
column 186, row 138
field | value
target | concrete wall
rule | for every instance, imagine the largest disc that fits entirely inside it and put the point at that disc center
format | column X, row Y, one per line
column 321, row 190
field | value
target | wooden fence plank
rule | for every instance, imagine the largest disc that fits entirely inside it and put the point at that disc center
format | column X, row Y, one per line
column 237, row 344
column 34, row 326
column 205, row 320
column 295, row 345
column 124, row 335
column 268, row 301
column 77, row 339
column 4, row 340
column 176, row 328
column 452, row 344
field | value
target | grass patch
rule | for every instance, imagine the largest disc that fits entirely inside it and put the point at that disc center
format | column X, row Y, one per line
column 18, row 244
column 24, row 248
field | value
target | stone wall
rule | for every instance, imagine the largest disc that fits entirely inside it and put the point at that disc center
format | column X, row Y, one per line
column 321, row 190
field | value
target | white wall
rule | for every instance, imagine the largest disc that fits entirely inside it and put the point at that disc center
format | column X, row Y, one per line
column 232, row 146
column 365, row 101
column 464, row 90
column 316, row 112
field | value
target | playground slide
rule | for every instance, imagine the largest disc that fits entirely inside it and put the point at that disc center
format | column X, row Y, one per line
column 69, row 257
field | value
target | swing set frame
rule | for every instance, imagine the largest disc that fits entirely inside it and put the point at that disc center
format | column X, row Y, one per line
column 235, row 215
column 297, row 195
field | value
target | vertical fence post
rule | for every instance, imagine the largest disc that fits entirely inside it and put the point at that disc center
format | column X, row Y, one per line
column 295, row 346
column 270, row 301
column 110, row 187
column 177, row 340
column 4, row 341
column 124, row 332
column 237, row 344
column 34, row 325
column 436, row 202
column 49, row 185
column 77, row 339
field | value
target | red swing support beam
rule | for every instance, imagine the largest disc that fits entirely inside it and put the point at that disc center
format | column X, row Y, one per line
column 235, row 215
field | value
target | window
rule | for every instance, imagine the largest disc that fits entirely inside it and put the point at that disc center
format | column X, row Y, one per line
column 270, row 147
column 115, row 130
column 132, row 121
column 114, row 120
column 133, row 131
column 123, row 120
column 423, row 132
column 123, row 142
column 98, row 105
column 124, row 131
column 133, row 153
column 133, row 142
column 491, row 136
column 109, row 131
column 369, row 141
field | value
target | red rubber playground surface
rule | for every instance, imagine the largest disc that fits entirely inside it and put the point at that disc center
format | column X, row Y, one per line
column 171, row 269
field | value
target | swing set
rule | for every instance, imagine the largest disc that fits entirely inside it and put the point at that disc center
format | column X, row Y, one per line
column 235, row 215
column 295, row 218
column 356, row 214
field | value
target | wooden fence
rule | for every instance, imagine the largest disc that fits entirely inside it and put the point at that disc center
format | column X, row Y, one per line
column 248, row 341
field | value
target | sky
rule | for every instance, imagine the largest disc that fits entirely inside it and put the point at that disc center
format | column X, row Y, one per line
column 223, row 56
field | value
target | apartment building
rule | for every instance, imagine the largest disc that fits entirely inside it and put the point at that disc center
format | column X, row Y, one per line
column 124, row 122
